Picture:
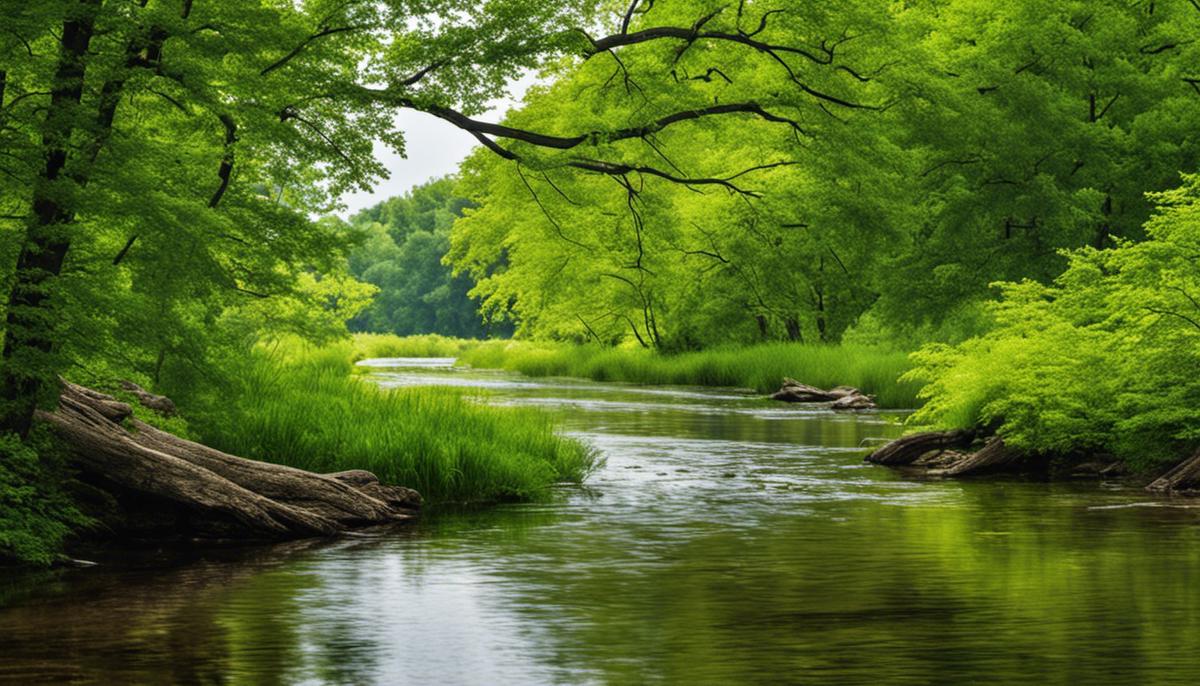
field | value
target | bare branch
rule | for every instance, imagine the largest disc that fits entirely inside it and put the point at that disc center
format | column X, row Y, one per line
column 568, row 142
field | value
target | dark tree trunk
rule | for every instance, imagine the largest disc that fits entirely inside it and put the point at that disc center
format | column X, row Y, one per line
column 763, row 332
column 793, row 330
column 27, row 361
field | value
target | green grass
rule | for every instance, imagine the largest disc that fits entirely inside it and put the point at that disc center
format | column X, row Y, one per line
column 873, row 369
column 761, row 367
column 303, row 407
column 372, row 345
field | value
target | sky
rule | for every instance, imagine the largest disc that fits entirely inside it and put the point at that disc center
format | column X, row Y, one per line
column 435, row 148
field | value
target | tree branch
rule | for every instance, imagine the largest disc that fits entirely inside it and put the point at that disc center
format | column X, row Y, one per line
column 328, row 31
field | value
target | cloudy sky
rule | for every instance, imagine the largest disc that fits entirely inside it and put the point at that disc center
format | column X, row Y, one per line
column 435, row 148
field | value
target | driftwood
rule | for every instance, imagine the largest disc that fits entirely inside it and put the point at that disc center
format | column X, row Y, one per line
column 908, row 449
column 793, row 391
column 945, row 453
column 858, row 401
column 211, row 494
column 159, row 403
column 995, row 455
column 842, row 397
column 1184, row 477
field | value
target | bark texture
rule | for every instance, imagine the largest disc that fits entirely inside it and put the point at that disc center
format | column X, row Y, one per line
column 908, row 449
column 208, row 493
column 842, row 397
column 1184, row 477
column 995, row 455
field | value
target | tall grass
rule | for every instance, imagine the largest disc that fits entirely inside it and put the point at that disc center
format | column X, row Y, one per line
column 372, row 345
column 303, row 407
column 761, row 367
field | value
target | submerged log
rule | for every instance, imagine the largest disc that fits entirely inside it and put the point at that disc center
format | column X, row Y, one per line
column 856, row 401
column 1184, row 477
column 995, row 455
column 907, row 450
column 213, row 494
column 842, row 397
column 793, row 391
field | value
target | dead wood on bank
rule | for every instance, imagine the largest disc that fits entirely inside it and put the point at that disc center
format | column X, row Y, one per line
column 200, row 492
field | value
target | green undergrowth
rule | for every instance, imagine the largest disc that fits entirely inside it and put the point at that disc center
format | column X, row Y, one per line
column 303, row 407
column 36, row 513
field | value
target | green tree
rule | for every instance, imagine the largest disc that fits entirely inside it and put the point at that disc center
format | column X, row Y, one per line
column 1104, row 359
column 406, row 239
column 210, row 131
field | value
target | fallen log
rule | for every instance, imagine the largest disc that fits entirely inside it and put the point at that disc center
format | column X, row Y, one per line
column 793, row 391
column 995, row 455
column 842, row 397
column 159, row 403
column 908, row 449
column 213, row 494
column 1183, row 477
column 857, row 401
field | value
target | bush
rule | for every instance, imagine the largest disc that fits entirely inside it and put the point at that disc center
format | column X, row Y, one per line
column 36, row 516
column 1105, row 359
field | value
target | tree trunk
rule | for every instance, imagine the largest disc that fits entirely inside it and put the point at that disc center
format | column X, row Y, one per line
column 793, row 330
column 1183, row 477
column 995, row 455
column 28, row 345
column 211, row 494
column 908, row 449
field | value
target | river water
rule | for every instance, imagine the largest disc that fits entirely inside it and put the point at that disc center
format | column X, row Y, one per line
column 726, row 540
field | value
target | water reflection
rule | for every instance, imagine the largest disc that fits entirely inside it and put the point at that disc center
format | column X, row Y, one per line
column 747, row 545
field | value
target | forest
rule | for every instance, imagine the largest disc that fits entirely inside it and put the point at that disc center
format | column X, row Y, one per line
column 985, row 215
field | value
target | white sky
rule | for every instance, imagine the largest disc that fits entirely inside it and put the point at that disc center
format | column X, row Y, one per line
column 434, row 147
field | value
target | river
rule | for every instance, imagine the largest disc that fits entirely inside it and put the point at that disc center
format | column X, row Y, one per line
column 726, row 540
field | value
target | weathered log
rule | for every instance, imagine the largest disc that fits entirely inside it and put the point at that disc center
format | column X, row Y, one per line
column 1184, row 476
column 793, row 391
column 222, row 495
column 908, row 449
column 854, row 401
column 159, row 403
column 993, row 456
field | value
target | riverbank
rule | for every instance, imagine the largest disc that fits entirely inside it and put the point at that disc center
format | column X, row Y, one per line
column 302, row 406
column 874, row 370
column 730, row 526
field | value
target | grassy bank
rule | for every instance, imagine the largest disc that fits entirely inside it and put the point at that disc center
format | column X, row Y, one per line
column 303, row 407
column 371, row 345
column 761, row 367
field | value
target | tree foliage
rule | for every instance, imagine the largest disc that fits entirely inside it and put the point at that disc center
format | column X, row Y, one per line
column 404, row 240
column 931, row 149
column 1103, row 359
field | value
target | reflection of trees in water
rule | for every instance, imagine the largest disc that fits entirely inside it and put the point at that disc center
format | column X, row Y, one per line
column 982, row 581
column 232, row 616
column 1004, row 584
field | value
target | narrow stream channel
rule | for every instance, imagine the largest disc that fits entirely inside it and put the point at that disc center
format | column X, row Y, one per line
column 726, row 540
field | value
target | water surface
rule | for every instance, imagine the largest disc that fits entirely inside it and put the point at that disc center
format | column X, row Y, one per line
column 726, row 540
